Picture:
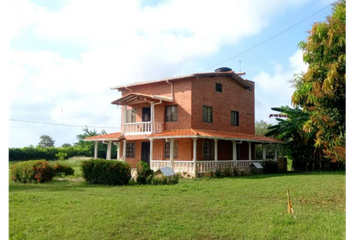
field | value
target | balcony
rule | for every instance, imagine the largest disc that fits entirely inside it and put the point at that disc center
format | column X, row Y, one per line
column 137, row 128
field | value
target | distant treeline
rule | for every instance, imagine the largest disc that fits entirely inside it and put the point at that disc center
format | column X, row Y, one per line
column 33, row 153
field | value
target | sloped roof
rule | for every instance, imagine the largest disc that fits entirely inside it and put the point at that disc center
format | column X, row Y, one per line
column 104, row 137
column 245, row 83
column 190, row 133
column 137, row 97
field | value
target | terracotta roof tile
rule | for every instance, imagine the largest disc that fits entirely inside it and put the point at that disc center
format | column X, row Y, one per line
column 109, row 136
column 213, row 134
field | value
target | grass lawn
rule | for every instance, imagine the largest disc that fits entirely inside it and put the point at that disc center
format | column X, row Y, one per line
column 231, row 208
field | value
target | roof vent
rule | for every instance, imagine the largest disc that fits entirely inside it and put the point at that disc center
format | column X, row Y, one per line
column 223, row 69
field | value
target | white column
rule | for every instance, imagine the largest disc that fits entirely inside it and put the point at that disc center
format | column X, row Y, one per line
column 124, row 119
column 234, row 153
column 152, row 120
column 264, row 151
column 109, row 149
column 171, row 152
column 124, row 149
column 216, row 149
column 249, row 151
column 95, row 155
column 194, row 155
column 276, row 152
column 118, row 150
column 151, row 149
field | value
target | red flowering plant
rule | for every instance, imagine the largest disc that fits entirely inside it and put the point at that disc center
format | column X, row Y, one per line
column 35, row 171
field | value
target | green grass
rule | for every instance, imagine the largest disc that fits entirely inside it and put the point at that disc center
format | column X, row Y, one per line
column 231, row 208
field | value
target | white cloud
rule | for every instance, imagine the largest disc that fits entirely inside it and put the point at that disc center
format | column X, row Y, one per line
column 125, row 42
column 276, row 90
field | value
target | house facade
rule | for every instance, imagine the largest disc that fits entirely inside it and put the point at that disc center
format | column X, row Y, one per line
column 193, row 123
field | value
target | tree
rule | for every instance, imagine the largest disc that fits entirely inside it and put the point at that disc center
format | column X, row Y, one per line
column 261, row 127
column 45, row 142
column 66, row 145
column 90, row 146
column 321, row 90
column 303, row 153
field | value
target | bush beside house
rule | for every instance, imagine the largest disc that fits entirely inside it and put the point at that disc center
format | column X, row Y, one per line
column 35, row 171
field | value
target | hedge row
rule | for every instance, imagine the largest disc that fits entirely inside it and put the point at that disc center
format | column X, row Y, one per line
column 30, row 153
column 106, row 172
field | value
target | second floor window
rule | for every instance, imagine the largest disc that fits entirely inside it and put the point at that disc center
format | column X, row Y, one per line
column 218, row 87
column 130, row 150
column 207, row 114
column 171, row 113
column 167, row 150
column 130, row 116
column 234, row 118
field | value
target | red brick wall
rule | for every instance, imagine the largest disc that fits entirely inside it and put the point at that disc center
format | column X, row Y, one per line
column 184, row 149
column 233, row 97
column 182, row 97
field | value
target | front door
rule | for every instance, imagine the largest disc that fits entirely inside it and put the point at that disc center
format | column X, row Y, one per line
column 145, row 152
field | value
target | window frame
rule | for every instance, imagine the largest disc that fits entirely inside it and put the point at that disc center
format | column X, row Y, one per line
column 167, row 152
column 210, row 152
column 166, row 117
column 131, row 116
column 237, row 118
column 209, row 119
column 130, row 150
column 216, row 87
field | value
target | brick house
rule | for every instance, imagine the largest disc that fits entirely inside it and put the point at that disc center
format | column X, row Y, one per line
column 193, row 123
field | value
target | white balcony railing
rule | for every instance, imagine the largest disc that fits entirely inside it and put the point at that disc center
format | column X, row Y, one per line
column 142, row 128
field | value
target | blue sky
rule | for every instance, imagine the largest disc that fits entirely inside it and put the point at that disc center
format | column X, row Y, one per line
column 65, row 55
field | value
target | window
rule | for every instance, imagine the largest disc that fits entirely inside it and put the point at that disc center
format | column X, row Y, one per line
column 130, row 150
column 234, row 118
column 171, row 113
column 167, row 150
column 130, row 116
column 218, row 87
column 207, row 114
column 208, row 150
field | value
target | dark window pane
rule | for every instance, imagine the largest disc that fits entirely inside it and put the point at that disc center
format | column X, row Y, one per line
column 171, row 113
column 234, row 118
column 218, row 87
column 207, row 114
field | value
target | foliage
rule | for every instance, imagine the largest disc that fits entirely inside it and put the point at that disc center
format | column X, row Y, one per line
column 321, row 90
column 160, row 179
column 61, row 156
column 29, row 153
column 65, row 170
column 46, row 142
column 106, row 172
column 300, row 143
column 143, row 172
column 261, row 128
column 90, row 146
column 66, row 145
column 270, row 167
column 35, row 171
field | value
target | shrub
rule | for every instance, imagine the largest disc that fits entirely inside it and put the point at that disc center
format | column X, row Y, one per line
column 209, row 174
column 219, row 173
column 61, row 155
column 235, row 171
column 106, row 172
column 228, row 172
column 143, row 172
column 35, row 171
column 63, row 170
column 270, row 167
column 160, row 179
